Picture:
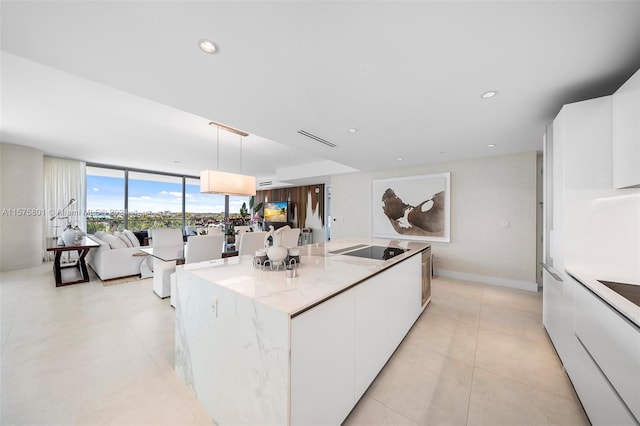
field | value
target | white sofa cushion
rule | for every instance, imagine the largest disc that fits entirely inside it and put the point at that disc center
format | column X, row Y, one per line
column 114, row 242
column 132, row 237
column 124, row 238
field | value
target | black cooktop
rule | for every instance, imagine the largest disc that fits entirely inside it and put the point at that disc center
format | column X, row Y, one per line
column 376, row 252
column 630, row 292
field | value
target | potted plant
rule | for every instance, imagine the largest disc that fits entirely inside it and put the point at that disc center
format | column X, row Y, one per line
column 230, row 232
column 244, row 213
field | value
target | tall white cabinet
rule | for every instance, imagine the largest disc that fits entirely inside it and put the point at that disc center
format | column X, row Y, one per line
column 592, row 148
column 578, row 155
column 626, row 134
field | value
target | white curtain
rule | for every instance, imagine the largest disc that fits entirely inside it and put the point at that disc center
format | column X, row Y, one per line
column 64, row 180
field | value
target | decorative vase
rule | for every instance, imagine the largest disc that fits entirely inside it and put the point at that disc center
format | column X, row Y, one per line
column 79, row 234
column 276, row 253
column 69, row 236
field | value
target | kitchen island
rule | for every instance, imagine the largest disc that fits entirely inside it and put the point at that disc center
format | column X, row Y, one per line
column 257, row 347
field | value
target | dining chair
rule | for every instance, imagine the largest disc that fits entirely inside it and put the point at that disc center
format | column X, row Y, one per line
column 199, row 248
column 162, row 270
column 290, row 237
column 250, row 242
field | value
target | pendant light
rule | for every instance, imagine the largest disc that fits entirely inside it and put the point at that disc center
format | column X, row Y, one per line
column 217, row 182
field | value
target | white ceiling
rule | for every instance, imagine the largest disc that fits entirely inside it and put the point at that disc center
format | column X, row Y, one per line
column 124, row 82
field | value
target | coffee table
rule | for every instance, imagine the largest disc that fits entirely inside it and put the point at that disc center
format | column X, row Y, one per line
column 82, row 247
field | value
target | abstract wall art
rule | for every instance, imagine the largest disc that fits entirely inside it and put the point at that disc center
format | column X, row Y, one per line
column 412, row 207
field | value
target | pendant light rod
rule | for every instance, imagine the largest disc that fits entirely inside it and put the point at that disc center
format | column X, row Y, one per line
column 229, row 129
column 218, row 148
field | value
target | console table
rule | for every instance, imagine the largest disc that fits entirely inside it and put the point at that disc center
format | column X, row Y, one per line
column 82, row 247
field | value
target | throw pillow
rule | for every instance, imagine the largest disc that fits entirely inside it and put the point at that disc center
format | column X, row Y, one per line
column 114, row 242
column 132, row 237
column 124, row 238
column 100, row 235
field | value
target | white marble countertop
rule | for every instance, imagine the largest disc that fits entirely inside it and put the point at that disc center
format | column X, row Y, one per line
column 321, row 274
column 589, row 277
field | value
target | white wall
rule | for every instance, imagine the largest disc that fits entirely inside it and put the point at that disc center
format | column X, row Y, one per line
column 21, row 241
column 493, row 217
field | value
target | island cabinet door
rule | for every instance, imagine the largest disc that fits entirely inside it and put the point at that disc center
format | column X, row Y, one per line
column 322, row 368
column 387, row 305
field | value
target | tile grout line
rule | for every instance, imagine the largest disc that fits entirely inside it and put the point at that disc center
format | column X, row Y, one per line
column 508, row 334
column 511, row 379
column 390, row 408
column 475, row 354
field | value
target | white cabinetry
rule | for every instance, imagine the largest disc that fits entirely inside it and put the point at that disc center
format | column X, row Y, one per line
column 626, row 134
column 556, row 313
column 582, row 172
column 602, row 360
column 339, row 346
column 322, row 368
column 613, row 343
column 578, row 164
column 380, row 322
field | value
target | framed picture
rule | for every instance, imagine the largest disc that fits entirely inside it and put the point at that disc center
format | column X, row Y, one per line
column 412, row 207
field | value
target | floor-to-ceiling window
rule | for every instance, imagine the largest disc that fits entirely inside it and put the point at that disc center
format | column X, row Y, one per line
column 139, row 200
column 202, row 210
column 236, row 203
column 105, row 198
column 155, row 201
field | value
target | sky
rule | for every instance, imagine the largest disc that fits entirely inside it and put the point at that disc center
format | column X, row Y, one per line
column 107, row 193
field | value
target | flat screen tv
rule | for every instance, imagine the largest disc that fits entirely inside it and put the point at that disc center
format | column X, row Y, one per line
column 276, row 211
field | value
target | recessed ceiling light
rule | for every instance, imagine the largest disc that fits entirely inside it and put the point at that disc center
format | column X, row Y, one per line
column 353, row 130
column 208, row 46
column 400, row 158
column 489, row 94
column 492, row 145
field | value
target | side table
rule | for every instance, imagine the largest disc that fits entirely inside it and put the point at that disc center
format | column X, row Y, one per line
column 82, row 247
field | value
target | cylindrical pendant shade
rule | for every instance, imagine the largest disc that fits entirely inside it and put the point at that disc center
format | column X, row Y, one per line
column 216, row 182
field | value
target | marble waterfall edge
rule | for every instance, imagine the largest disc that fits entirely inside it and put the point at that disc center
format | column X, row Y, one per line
column 252, row 334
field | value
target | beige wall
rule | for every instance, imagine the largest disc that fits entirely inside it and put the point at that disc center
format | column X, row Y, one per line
column 493, row 216
column 21, row 242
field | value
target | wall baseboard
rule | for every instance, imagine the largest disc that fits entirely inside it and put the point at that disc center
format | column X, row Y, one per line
column 484, row 279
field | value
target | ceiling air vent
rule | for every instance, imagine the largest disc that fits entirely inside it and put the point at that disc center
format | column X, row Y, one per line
column 316, row 138
column 265, row 183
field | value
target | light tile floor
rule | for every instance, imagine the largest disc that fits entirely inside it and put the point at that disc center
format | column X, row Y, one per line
column 92, row 355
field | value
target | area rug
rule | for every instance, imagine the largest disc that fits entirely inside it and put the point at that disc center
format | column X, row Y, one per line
column 124, row 280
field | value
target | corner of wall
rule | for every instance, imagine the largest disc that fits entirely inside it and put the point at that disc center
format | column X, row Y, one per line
column 21, row 206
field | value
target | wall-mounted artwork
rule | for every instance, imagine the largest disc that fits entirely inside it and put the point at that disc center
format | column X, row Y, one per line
column 276, row 211
column 412, row 207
